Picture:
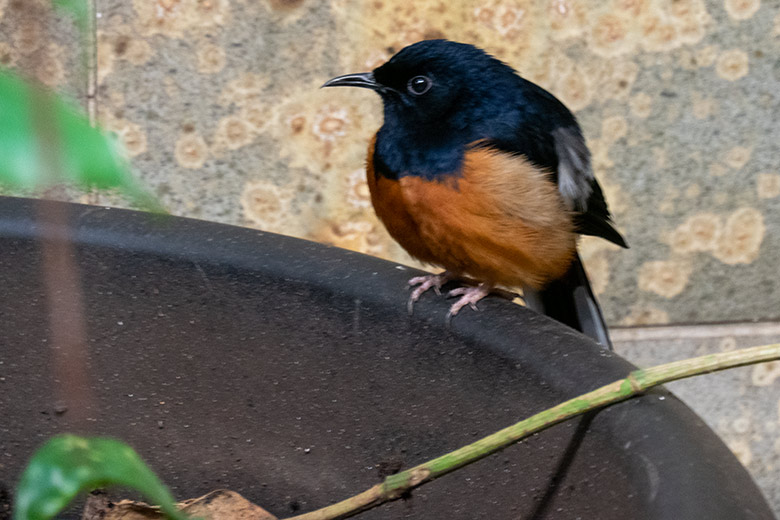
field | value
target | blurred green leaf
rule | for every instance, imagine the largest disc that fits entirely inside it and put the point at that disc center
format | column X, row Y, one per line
column 75, row 8
column 68, row 464
column 84, row 156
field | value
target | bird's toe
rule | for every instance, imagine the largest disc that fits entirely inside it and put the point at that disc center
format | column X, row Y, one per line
column 468, row 296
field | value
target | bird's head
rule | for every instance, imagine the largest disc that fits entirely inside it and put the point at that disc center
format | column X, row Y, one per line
column 434, row 82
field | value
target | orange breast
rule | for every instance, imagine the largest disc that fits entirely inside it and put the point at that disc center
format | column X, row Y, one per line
column 501, row 221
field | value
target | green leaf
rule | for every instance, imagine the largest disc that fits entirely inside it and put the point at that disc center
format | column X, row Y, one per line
column 85, row 155
column 68, row 464
column 35, row 123
column 77, row 9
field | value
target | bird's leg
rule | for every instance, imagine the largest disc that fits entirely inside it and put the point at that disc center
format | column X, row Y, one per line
column 424, row 283
column 468, row 296
column 504, row 293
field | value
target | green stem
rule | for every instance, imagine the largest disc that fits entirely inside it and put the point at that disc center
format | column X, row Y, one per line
column 92, row 68
column 636, row 383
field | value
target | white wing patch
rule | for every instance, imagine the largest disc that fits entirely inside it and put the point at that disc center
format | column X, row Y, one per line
column 575, row 175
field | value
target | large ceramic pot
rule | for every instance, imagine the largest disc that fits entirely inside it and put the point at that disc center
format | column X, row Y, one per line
column 290, row 372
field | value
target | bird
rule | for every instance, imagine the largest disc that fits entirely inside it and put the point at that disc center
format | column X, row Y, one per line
column 487, row 175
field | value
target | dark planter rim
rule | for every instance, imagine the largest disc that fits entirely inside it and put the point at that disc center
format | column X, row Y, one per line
column 381, row 282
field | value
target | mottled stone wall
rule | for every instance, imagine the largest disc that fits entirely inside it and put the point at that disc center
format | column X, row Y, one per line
column 218, row 106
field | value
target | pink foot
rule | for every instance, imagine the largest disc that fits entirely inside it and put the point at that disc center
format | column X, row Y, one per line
column 424, row 283
column 468, row 296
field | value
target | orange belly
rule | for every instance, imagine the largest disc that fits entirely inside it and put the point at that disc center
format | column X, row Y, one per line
column 500, row 221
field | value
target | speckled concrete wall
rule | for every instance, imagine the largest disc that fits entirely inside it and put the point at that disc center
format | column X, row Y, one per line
column 217, row 103
column 43, row 46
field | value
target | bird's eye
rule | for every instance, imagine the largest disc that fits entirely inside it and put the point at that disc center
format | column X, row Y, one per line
column 419, row 85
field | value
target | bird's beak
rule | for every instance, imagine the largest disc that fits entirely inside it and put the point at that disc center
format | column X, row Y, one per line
column 363, row 79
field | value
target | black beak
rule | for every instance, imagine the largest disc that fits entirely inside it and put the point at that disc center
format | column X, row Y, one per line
column 363, row 79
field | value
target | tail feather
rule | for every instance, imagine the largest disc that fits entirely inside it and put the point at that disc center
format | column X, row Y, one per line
column 571, row 301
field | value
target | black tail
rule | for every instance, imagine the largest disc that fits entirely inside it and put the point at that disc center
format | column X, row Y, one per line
column 571, row 301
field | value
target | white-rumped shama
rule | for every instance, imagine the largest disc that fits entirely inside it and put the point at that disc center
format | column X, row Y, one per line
column 487, row 175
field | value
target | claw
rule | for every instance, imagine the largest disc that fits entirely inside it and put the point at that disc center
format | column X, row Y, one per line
column 468, row 296
column 424, row 283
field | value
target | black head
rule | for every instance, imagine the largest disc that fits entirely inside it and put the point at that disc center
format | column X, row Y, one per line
column 441, row 97
column 426, row 82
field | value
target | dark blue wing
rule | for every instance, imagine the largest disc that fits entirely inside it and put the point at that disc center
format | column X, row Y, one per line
column 547, row 133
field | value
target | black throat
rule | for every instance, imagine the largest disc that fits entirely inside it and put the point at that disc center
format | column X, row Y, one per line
column 431, row 155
